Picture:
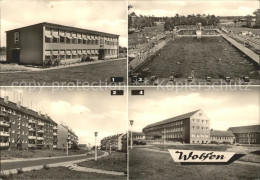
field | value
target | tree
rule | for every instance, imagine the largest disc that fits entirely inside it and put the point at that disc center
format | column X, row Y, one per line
column 74, row 146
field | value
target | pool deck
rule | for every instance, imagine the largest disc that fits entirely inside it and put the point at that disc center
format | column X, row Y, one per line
column 242, row 48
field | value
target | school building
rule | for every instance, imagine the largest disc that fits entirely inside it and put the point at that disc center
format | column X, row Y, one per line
column 34, row 44
column 246, row 134
column 192, row 127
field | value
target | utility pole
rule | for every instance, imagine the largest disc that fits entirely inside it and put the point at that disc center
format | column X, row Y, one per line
column 95, row 133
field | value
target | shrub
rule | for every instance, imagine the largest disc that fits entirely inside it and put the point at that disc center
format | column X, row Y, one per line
column 214, row 142
column 19, row 171
column 47, row 63
column 55, row 62
column 225, row 142
column 46, row 166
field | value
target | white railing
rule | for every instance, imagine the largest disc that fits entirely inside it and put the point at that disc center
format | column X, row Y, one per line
column 32, row 121
column 40, row 138
column 3, row 133
column 40, row 124
column 4, row 144
column 31, row 137
column 55, row 134
column 3, row 123
column 40, row 131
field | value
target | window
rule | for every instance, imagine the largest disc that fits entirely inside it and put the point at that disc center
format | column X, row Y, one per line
column 62, row 54
column 62, row 37
column 56, row 37
column 55, row 54
column 13, row 131
column 68, row 38
column 16, row 38
column 47, row 54
column 48, row 36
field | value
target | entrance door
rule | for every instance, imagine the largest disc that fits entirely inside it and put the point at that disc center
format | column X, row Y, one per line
column 101, row 54
column 16, row 56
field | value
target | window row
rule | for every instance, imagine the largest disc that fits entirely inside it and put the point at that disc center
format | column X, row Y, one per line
column 174, row 136
column 200, row 135
column 227, row 138
column 201, row 121
column 246, row 140
column 200, row 128
column 247, row 135
column 173, row 130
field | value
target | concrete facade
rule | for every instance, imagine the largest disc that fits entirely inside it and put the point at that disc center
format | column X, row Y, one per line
column 36, row 43
column 193, row 127
column 23, row 128
column 66, row 137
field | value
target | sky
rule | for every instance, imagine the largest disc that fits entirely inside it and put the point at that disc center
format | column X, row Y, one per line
column 224, row 108
column 185, row 7
column 106, row 16
column 84, row 111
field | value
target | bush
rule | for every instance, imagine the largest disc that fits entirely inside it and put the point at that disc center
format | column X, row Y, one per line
column 55, row 62
column 19, row 171
column 225, row 142
column 214, row 142
column 46, row 166
column 47, row 63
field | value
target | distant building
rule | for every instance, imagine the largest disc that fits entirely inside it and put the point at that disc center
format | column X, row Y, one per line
column 192, row 127
column 222, row 137
column 66, row 137
column 138, row 135
column 246, row 134
column 115, row 142
column 23, row 128
column 83, row 146
column 36, row 43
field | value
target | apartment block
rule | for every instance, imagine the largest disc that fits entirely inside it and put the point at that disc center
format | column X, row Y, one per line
column 246, row 134
column 115, row 142
column 66, row 137
column 23, row 128
column 36, row 43
column 192, row 127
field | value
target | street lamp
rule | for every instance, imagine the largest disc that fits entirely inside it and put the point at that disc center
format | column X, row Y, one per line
column 131, row 123
column 67, row 147
column 96, row 133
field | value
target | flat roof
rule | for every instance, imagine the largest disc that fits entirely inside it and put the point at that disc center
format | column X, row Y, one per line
column 68, row 28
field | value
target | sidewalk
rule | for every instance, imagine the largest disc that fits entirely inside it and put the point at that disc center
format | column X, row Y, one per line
column 63, row 164
column 31, row 69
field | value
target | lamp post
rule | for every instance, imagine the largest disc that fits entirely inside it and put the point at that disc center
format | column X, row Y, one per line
column 95, row 133
column 131, row 123
column 67, row 147
column 109, row 147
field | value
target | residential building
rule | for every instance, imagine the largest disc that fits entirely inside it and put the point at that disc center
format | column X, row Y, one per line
column 23, row 128
column 222, row 137
column 138, row 135
column 192, row 127
column 246, row 134
column 115, row 142
column 36, row 43
column 66, row 137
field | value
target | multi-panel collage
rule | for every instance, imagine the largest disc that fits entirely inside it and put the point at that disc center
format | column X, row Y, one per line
column 130, row 89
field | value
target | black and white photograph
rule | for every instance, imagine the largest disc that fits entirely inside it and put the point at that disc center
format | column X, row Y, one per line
column 199, row 120
column 130, row 89
column 48, row 134
column 65, row 43
column 193, row 42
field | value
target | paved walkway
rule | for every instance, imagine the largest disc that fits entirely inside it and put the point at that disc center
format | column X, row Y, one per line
column 11, row 167
column 75, row 167
column 31, row 69
column 242, row 48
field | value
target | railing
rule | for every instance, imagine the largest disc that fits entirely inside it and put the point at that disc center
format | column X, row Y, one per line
column 31, row 137
column 4, row 144
column 32, row 121
column 40, row 138
column 3, row 123
column 55, row 128
column 40, row 124
column 55, row 134
column 3, row 133
column 40, row 131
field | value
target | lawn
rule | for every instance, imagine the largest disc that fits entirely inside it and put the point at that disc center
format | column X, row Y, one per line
column 11, row 154
column 207, row 56
column 60, row 173
column 12, row 68
column 153, row 165
column 116, row 161
column 81, row 75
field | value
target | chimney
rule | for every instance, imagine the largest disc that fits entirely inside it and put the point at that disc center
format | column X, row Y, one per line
column 39, row 113
column 6, row 99
column 18, row 104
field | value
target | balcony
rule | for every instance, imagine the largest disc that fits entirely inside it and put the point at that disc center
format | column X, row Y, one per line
column 3, row 133
column 55, row 134
column 40, row 138
column 40, row 131
column 32, row 129
column 31, row 145
column 4, row 144
column 31, row 137
column 40, row 124
column 4, row 123
column 32, row 121
column 54, row 146
column 55, row 128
